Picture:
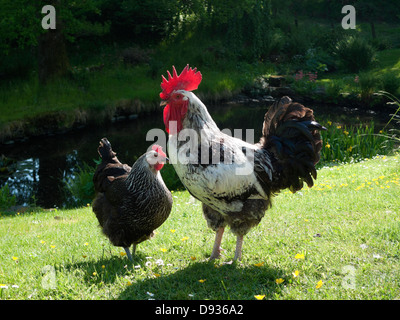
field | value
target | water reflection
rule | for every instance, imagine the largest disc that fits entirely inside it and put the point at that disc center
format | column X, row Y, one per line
column 41, row 164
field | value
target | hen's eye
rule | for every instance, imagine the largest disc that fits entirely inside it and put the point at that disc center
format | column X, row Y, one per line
column 155, row 154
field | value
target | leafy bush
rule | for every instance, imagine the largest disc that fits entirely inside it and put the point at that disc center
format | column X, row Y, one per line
column 6, row 199
column 80, row 189
column 332, row 90
column 355, row 54
column 368, row 84
column 390, row 82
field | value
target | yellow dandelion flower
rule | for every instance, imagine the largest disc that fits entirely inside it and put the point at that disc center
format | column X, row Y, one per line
column 192, row 258
column 15, row 258
column 42, row 241
column 350, row 148
column 52, row 246
column 299, row 256
column 157, row 275
column 279, row 281
column 172, row 230
column 345, row 132
column 94, row 273
column 338, row 127
column 122, row 254
column 129, row 283
column 103, row 266
column 202, row 280
column 259, row 296
column 319, row 284
column 185, row 238
column 295, row 273
column 260, row 264
column 86, row 244
column 329, row 122
column 327, row 145
column 163, row 250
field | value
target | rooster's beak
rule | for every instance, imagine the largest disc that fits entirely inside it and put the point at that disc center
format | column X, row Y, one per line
column 163, row 103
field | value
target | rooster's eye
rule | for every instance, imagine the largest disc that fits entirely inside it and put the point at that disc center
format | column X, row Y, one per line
column 155, row 154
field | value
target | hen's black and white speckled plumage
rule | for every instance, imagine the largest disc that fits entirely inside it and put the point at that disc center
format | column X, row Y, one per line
column 132, row 202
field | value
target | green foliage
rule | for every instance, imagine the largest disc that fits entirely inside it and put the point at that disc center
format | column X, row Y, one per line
column 332, row 90
column 393, row 100
column 80, row 189
column 390, row 82
column 143, row 21
column 368, row 84
column 7, row 200
column 355, row 54
column 354, row 143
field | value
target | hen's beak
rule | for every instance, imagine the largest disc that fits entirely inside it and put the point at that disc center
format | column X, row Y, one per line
column 163, row 103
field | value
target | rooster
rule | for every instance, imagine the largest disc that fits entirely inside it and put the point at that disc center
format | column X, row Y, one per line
column 130, row 202
column 233, row 179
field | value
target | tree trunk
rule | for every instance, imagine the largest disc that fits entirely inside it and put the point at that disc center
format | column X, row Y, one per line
column 52, row 60
column 373, row 29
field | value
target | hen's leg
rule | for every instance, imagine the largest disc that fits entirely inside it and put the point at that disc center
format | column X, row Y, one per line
column 238, row 251
column 217, row 244
column 128, row 253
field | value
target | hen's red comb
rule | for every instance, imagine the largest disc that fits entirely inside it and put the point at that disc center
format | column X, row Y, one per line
column 158, row 149
column 188, row 80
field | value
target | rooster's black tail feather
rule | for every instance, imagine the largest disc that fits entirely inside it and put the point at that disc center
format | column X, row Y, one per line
column 291, row 133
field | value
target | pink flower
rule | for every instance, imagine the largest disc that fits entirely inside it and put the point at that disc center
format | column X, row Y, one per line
column 312, row 76
column 299, row 75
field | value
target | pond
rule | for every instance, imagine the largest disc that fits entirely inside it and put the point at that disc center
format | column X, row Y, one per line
column 40, row 165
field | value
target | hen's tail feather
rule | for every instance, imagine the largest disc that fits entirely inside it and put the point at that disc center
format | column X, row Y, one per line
column 109, row 168
column 292, row 134
column 105, row 151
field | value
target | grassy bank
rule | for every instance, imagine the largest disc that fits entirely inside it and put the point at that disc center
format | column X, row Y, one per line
column 338, row 240
column 94, row 97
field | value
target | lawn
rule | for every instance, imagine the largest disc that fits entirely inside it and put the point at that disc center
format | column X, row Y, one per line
column 337, row 240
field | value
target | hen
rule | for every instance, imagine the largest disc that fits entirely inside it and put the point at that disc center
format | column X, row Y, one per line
column 233, row 179
column 130, row 202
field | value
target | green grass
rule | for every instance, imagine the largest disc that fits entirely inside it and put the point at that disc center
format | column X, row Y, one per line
column 345, row 232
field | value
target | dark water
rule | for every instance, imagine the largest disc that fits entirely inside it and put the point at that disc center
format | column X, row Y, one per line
column 39, row 166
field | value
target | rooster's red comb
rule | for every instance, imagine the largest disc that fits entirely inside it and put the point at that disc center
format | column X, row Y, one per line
column 188, row 80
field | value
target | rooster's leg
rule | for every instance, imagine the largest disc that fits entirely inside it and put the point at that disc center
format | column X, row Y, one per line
column 217, row 244
column 128, row 253
column 238, row 251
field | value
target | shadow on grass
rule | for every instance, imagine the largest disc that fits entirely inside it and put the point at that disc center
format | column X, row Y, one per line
column 105, row 269
column 228, row 281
